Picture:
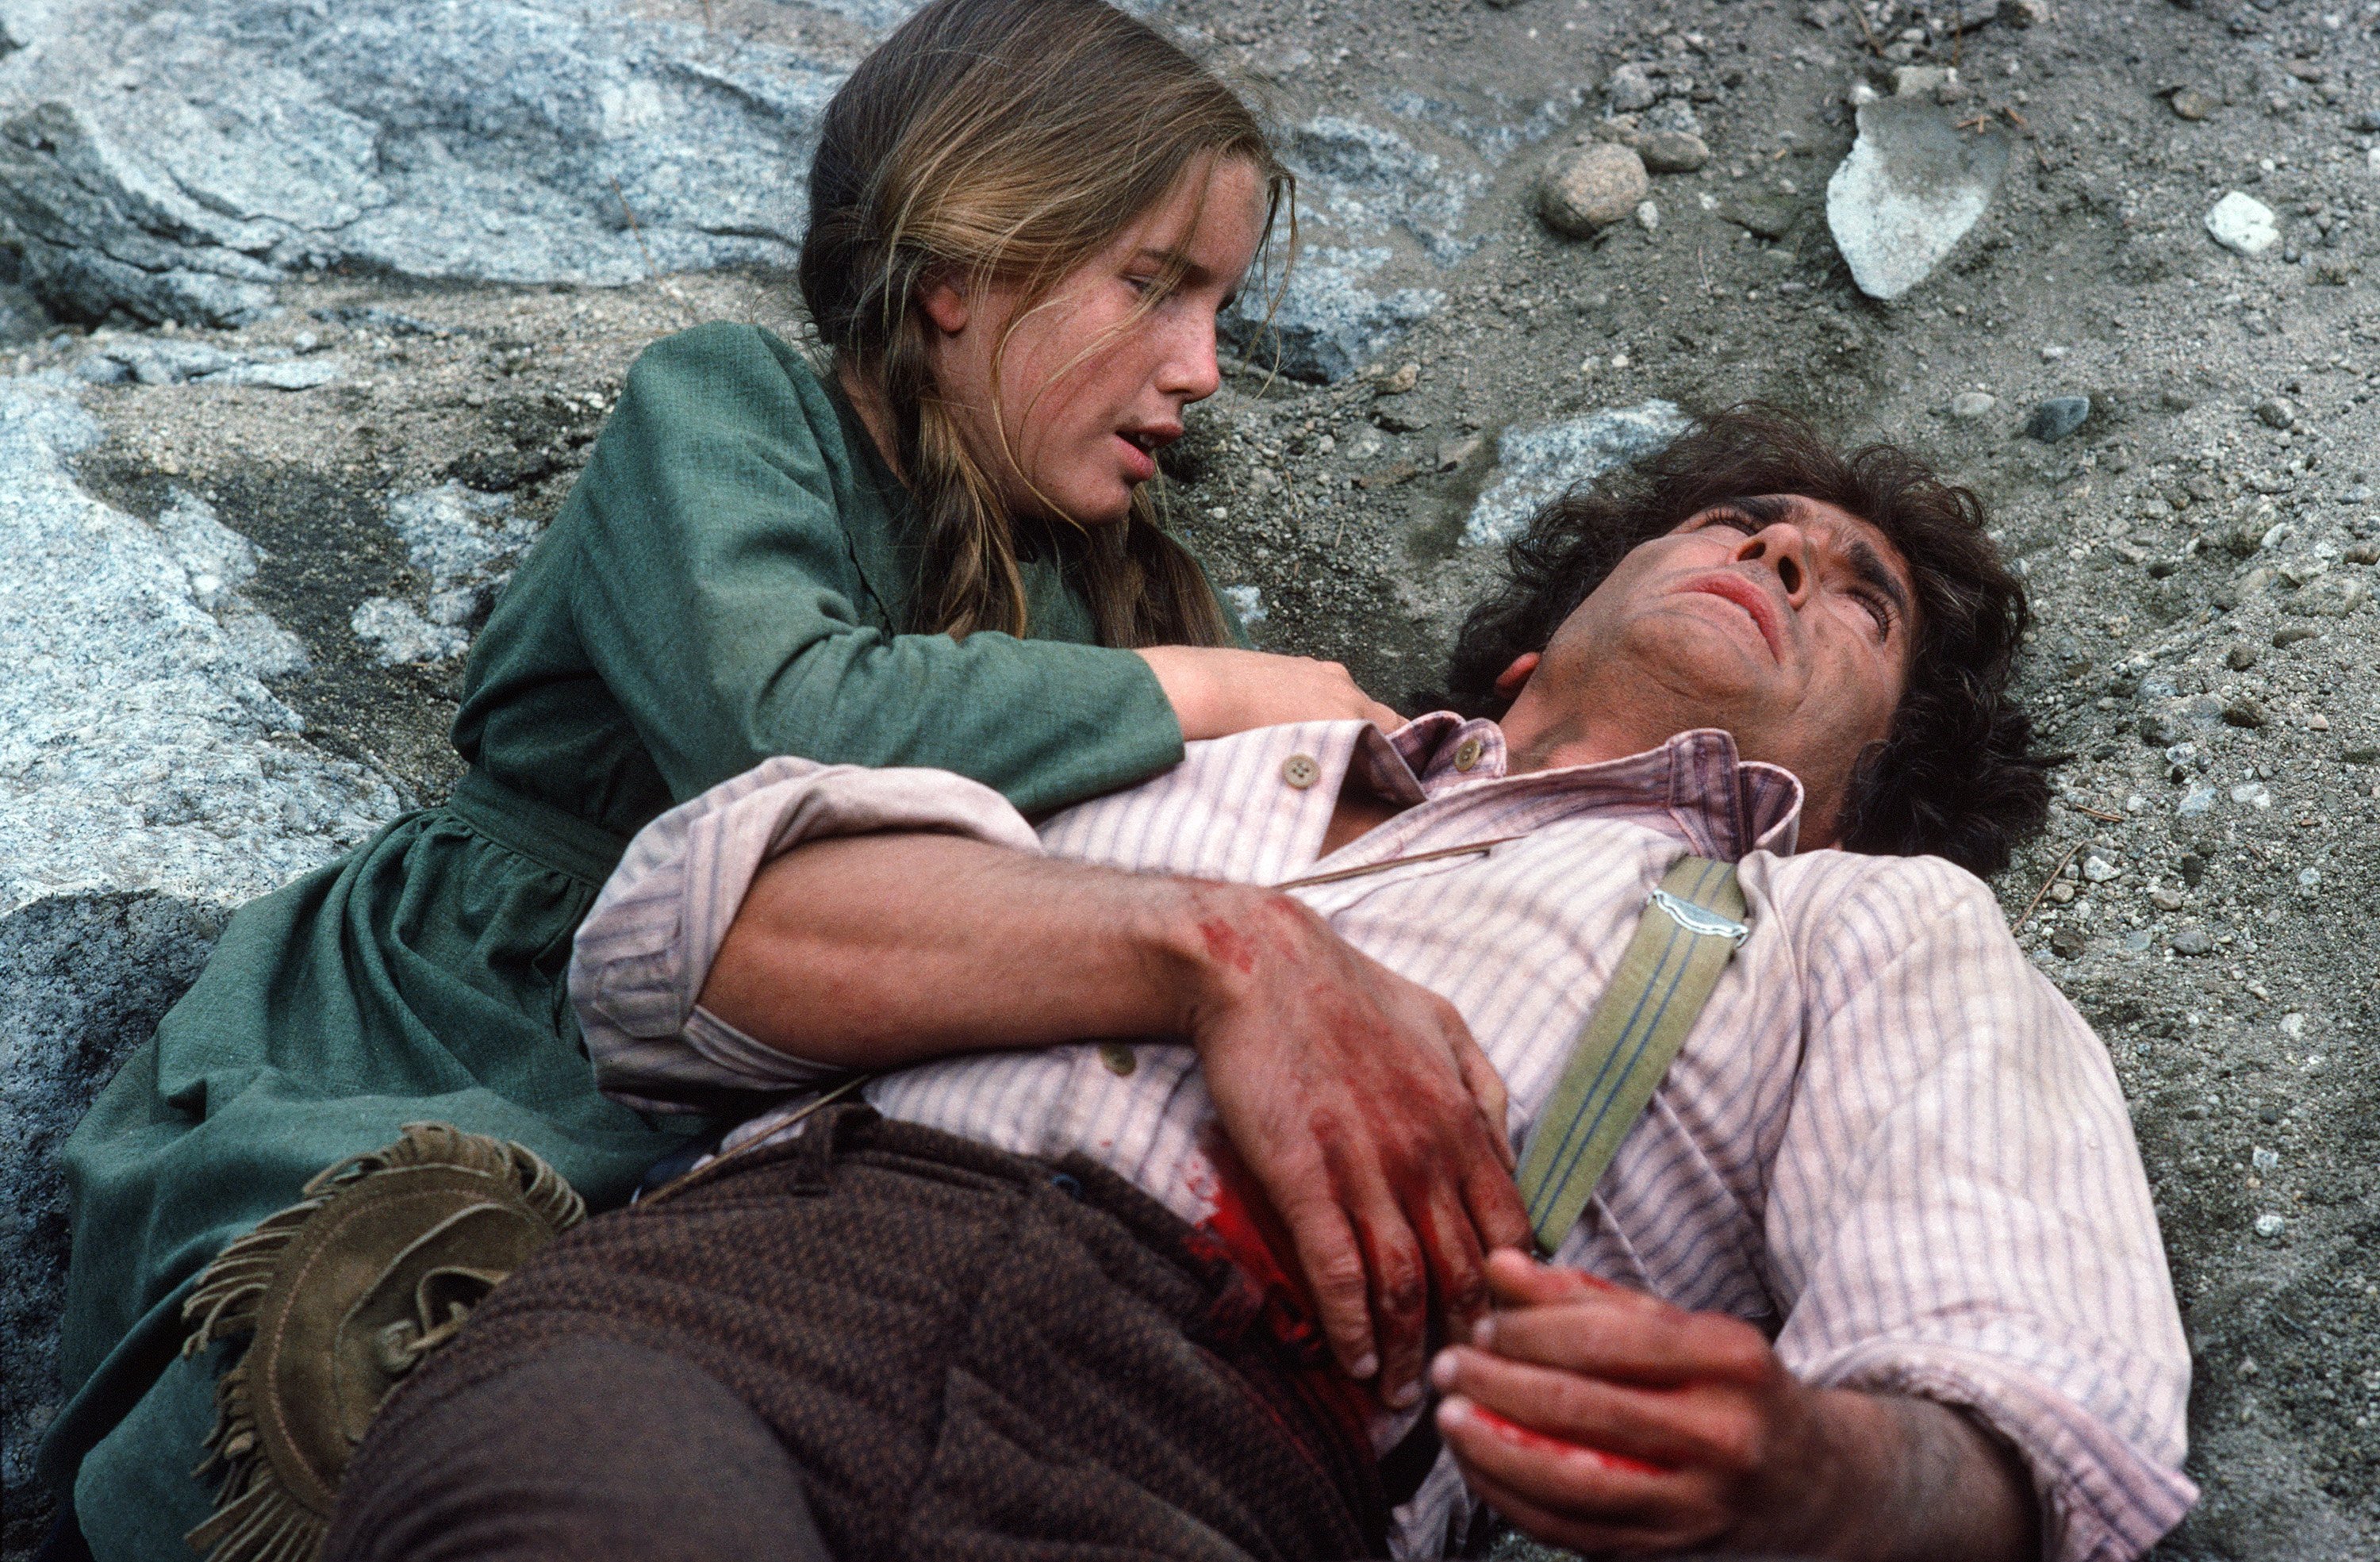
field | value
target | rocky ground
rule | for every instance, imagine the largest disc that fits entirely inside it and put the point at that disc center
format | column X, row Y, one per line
column 298, row 353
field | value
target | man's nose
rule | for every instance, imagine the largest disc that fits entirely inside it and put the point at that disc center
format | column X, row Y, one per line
column 1784, row 548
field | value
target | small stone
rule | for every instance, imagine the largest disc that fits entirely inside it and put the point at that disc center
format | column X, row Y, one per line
column 2360, row 754
column 1968, row 405
column 2264, row 1159
column 2061, row 893
column 2193, row 869
column 2098, row 869
column 1671, row 151
column 1455, row 453
column 2190, row 103
column 2242, row 711
column 2330, row 596
column 1648, row 216
column 1401, row 420
column 2317, row 722
column 2197, row 800
column 2292, row 635
column 2159, row 731
column 2240, row 657
column 2270, row 1226
column 2165, row 897
column 2242, row 225
column 2069, row 943
column 1631, row 89
column 1403, row 471
column 1590, row 187
column 2057, row 417
column 1919, row 81
column 1398, row 380
column 2275, row 412
column 1911, row 187
column 2193, row 940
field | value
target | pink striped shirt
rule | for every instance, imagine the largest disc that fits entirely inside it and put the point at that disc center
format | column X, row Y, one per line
column 1888, row 1141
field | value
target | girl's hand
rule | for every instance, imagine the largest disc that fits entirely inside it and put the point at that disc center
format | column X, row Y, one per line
column 1216, row 691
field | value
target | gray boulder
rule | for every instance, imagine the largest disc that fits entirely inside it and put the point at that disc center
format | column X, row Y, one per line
column 1536, row 465
column 172, row 163
column 149, row 782
column 1913, row 186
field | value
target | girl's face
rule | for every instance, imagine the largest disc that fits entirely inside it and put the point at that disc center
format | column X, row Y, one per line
column 1088, row 392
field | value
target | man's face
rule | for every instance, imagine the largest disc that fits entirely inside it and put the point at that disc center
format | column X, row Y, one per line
column 1784, row 620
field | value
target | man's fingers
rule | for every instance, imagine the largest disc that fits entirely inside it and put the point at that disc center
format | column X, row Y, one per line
column 1384, row 716
column 1665, row 1427
column 1458, row 1273
column 1555, row 1479
column 1400, row 1292
column 1518, row 1280
column 1616, row 1334
column 1544, row 1516
column 1496, row 1214
column 1333, row 1263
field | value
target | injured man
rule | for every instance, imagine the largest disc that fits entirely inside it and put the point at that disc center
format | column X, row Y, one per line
column 1140, row 1181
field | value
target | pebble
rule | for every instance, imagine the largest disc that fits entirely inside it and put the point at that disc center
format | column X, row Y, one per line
column 2068, row 942
column 1631, row 89
column 1968, row 405
column 2190, row 103
column 2159, row 731
column 2240, row 657
column 2275, row 412
column 2193, row 869
column 1398, row 380
column 2062, row 893
column 2284, row 638
column 2270, row 1225
column 2165, row 897
column 2193, row 940
column 2243, row 711
column 2198, row 799
column 2242, row 223
column 2057, row 417
column 1671, row 151
column 1591, row 186
column 1648, row 216
column 2098, row 869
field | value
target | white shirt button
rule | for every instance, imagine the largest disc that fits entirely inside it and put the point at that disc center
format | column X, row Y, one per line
column 1467, row 752
column 1121, row 1059
column 1301, row 771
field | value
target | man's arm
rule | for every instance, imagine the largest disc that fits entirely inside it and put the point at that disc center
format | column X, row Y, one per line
column 1601, row 1419
column 1358, row 1099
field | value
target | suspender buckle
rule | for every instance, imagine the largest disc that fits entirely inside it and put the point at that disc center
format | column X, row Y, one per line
column 1699, row 920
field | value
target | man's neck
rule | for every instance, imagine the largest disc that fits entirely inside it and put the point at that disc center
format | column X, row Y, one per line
column 1360, row 811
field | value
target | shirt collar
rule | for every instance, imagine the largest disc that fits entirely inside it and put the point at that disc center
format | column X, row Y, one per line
column 1722, row 806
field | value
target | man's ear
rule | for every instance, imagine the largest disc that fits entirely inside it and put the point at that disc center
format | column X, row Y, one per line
column 944, row 305
column 1509, row 682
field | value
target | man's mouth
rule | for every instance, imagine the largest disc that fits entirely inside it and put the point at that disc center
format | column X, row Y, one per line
column 1755, row 602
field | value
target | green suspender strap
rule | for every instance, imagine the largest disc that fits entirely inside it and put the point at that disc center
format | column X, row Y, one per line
column 1663, row 981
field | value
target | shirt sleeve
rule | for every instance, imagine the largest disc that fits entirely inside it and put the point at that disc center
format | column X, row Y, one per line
column 1957, row 1209
column 644, row 951
column 721, row 597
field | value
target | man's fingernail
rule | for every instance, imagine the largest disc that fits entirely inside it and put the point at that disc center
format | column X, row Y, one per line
column 1442, row 1369
column 1453, row 1411
column 1483, row 1333
column 1366, row 1365
column 1404, row 1395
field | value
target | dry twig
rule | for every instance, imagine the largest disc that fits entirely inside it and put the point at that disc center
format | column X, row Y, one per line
column 651, row 269
column 2043, row 893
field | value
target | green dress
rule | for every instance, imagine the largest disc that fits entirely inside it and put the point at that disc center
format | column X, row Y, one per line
column 727, row 582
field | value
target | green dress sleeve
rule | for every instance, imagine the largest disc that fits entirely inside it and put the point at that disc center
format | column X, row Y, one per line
column 739, row 577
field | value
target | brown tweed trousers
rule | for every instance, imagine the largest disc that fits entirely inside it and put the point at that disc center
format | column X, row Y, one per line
column 966, row 1354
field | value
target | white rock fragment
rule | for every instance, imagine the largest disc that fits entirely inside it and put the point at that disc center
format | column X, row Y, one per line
column 1247, row 602
column 1538, row 463
column 1912, row 187
column 399, row 636
column 2242, row 225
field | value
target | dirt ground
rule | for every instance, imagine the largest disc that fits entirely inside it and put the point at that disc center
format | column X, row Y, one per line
column 2206, row 890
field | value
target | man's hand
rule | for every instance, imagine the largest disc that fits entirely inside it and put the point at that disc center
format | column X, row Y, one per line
column 1370, row 1118
column 1604, row 1420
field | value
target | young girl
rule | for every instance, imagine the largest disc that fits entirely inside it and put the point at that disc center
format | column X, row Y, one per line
column 938, row 549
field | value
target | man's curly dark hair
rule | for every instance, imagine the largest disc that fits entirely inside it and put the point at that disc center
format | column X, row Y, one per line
column 1958, row 776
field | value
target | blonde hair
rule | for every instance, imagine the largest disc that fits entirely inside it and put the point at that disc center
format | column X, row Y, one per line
column 1009, row 140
